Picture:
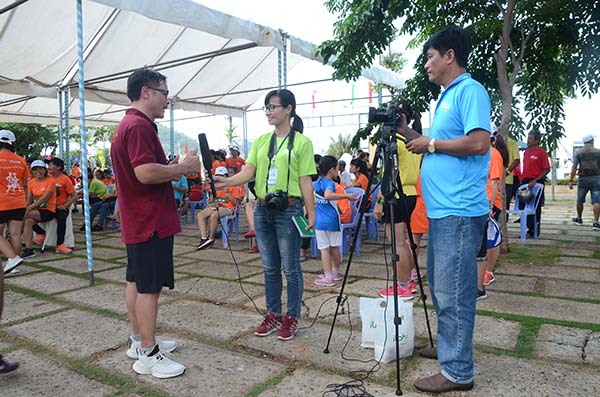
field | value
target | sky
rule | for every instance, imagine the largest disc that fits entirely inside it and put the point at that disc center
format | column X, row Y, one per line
column 310, row 20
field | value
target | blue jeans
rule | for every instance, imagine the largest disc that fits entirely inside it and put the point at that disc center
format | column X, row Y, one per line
column 452, row 274
column 279, row 245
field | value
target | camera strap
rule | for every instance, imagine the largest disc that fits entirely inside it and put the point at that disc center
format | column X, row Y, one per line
column 272, row 153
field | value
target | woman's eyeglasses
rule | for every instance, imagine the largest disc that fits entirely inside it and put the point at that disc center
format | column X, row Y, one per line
column 270, row 108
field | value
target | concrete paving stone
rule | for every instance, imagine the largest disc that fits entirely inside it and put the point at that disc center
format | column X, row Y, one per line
column 559, row 272
column 328, row 309
column 217, row 291
column 114, row 242
column 210, row 371
column 506, row 282
column 104, row 296
column 579, row 262
column 308, row 347
column 309, row 279
column 108, row 253
column 566, row 343
column 18, row 306
column 489, row 331
column 205, row 319
column 572, row 289
column 25, row 270
column 48, row 282
column 539, row 307
column 39, row 376
column 508, row 376
column 305, row 382
column 183, row 249
column 74, row 332
column 367, row 270
column 77, row 264
column 571, row 251
column 216, row 255
column 219, row 270
column 113, row 275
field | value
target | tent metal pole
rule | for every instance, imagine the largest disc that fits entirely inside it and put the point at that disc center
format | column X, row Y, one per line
column 245, row 132
column 279, row 69
column 61, row 153
column 84, row 163
column 172, row 127
column 284, row 36
column 66, row 129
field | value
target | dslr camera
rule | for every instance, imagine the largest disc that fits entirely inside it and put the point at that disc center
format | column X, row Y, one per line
column 390, row 115
column 277, row 200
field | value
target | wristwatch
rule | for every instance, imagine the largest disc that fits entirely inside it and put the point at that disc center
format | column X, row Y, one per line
column 431, row 146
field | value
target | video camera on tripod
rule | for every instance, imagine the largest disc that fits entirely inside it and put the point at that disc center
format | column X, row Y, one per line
column 389, row 116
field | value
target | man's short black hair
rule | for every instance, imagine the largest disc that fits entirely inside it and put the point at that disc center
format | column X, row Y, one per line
column 454, row 38
column 536, row 134
column 142, row 77
column 327, row 163
column 57, row 162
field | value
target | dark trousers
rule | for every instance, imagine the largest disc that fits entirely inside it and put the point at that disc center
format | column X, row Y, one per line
column 538, row 209
column 61, row 225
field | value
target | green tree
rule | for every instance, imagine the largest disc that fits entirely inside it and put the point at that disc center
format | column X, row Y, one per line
column 102, row 134
column 529, row 53
column 340, row 145
column 230, row 133
column 33, row 140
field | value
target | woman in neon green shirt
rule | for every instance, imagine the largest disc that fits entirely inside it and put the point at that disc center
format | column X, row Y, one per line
column 282, row 162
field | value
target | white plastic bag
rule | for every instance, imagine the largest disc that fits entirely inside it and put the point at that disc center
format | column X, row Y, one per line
column 370, row 317
column 385, row 347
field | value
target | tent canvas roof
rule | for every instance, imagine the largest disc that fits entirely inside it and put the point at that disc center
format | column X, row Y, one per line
column 215, row 63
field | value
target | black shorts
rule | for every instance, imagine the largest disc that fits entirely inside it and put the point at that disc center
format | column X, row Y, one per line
column 12, row 215
column 150, row 264
column 411, row 201
column 46, row 215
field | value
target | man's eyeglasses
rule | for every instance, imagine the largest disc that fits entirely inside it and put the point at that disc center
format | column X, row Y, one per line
column 162, row 91
column 270, row 108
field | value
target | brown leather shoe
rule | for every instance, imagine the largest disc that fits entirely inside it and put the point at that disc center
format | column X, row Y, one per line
column 429, row 352
column 438, row 383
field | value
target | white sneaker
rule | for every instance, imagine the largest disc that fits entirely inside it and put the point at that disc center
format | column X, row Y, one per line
column 166, row 346
column 158, row 365
column 12, row 264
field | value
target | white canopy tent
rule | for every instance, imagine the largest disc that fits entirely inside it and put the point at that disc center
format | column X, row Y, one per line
column 216, row 63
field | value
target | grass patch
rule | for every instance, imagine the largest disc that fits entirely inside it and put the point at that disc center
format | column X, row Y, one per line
column 526, row 339
column 258, row 389
column 543, row 255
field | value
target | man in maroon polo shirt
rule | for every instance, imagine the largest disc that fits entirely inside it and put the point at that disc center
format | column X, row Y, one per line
column 536, row 166
column 149, row 217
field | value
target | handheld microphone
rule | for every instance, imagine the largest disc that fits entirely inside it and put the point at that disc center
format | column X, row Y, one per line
column 207, row 161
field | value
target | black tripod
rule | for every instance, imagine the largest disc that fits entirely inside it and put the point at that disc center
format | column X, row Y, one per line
column 391, row 188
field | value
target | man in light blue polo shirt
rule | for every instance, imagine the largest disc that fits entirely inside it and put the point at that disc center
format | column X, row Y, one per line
column 453, row 176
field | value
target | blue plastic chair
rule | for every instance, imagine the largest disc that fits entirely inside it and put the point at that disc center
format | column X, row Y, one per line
column 348, row 228
column 230, row 224
column 371, row 225
column 529, row 209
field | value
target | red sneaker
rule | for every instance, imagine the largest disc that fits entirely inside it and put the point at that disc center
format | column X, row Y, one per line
column 39, row 240
column 270, row 324
column 404, row 294
column 253, row 250
column 250, row 234
column 488, row 278
column 288, row 329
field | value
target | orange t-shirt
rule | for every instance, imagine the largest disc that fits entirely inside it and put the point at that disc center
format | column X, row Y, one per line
column 108, row 181
column 76, row 172
column 496, row 171
column 64, row 188
column 13, row 171
column 362, row 181
column 223, row 200
column 216, row 164
column 343, row 204
column 418, row 219
column 38, row 189
column 237, row 163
